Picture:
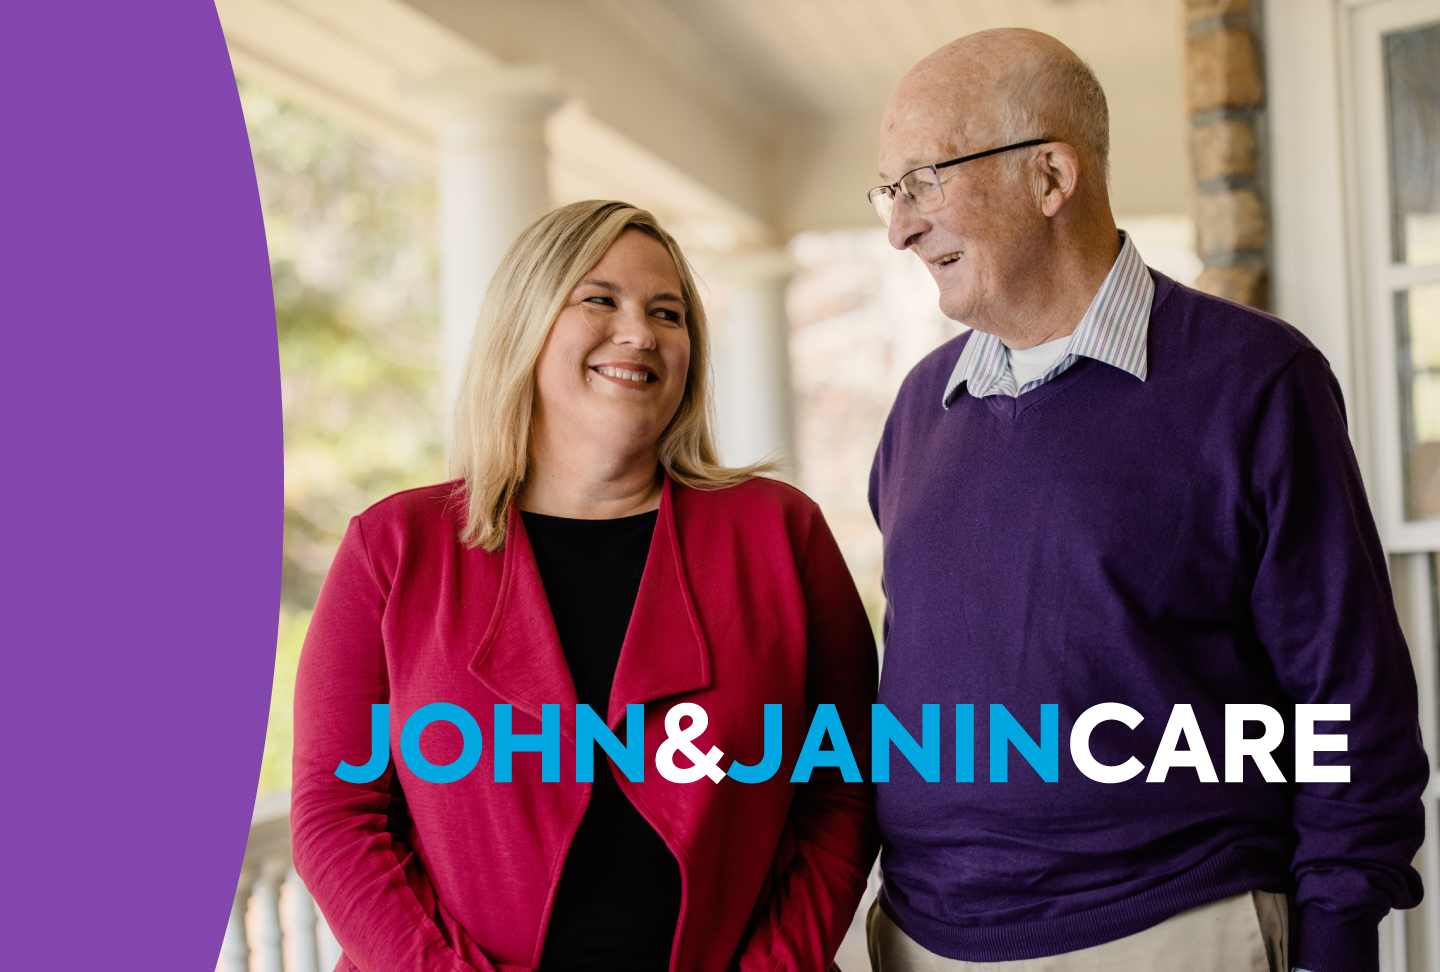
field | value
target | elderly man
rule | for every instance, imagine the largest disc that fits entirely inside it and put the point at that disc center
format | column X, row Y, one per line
column 1114, row 489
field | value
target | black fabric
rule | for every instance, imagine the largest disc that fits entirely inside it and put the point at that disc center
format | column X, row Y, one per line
column 619, row 896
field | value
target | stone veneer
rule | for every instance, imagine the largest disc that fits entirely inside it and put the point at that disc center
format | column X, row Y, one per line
column 1225, row 90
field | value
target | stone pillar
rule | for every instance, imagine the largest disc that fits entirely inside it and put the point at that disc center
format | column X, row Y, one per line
column 493, row 181
column 1225, row 86
column 755, row 404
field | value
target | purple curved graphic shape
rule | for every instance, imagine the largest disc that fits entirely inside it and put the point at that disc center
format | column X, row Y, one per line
column 141, row 487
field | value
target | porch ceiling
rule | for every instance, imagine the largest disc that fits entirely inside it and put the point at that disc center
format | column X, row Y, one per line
column 715, row 106
column 798, row 85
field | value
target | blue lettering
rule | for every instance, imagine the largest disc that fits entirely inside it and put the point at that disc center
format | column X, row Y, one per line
column 1045, row 758
column 591, row 729
column 826, row 720
column 379, row 750
column 546, row 742
column 924, row 755
column 770, row 759
column 469, row 752
column 965, row 743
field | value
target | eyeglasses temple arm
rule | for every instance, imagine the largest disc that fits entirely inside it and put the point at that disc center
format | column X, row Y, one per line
column 994, row 151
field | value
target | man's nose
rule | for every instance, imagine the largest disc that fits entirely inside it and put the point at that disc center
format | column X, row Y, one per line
column 906, row 225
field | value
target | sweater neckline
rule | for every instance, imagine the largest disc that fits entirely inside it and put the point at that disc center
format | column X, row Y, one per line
column 1012, row 408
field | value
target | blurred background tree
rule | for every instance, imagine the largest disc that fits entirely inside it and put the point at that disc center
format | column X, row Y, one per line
column 351, row 230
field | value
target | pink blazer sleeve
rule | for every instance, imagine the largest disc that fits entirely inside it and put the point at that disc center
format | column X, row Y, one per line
column 823, row 862
column 349, row 839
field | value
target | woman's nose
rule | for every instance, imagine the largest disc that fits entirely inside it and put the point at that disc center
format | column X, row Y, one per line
column 633, row 327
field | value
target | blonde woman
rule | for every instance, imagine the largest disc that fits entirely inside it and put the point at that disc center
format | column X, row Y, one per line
column 593, row 551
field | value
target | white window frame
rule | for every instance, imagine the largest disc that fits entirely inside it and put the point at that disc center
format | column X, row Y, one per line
column 1381, row 277
column 1334, row 279
column 1367, row 121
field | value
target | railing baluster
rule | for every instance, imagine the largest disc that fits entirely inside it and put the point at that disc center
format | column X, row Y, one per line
column 269, row 937
column 289, row 933
column 303, row 944
column 330, row 950
column 235, row 949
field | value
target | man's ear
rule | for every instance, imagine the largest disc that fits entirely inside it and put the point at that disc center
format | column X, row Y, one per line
column 1057, row 171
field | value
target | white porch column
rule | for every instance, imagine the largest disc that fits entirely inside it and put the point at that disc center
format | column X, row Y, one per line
column 754, row 401
column 493, row 180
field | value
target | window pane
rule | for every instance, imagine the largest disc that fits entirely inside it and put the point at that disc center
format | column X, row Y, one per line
column 1413, row 82
column 1417, row 314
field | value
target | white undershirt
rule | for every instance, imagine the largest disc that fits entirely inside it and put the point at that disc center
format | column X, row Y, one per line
column 1030, row 363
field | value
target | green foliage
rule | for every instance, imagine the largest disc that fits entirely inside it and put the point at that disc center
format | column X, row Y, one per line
column 280, row 733
column 350, row 226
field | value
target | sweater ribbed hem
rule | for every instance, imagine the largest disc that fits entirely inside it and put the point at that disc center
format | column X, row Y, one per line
column 1327, row 942
column 1222, row 876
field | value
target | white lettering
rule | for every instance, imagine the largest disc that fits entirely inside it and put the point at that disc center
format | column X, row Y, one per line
column 1237, row 747
column 1308, row 743
column 1182, row 722
column 1080, row 742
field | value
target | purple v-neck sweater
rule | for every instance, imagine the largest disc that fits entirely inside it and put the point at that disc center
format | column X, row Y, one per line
column 1199, row 537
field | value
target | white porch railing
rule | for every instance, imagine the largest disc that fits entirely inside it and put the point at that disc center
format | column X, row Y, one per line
column 274, row 925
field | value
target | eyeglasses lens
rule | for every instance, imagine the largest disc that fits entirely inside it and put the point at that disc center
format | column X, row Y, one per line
column 921, row 190
column 883, row 202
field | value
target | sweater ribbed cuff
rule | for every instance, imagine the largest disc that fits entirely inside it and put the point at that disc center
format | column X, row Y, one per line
column 1327, row 942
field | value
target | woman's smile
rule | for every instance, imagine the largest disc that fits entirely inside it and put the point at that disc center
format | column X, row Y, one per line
column 626, row 374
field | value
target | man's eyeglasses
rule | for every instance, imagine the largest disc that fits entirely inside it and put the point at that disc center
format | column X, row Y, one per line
column 921, row 187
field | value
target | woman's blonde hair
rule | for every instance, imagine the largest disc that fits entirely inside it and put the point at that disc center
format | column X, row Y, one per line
column 490, row 436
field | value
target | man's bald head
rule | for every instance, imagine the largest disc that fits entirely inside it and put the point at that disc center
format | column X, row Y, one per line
column 1002, row 86
column 1018, row 242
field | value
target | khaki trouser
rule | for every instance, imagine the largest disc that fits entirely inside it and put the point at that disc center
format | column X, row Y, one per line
column 1247, row 933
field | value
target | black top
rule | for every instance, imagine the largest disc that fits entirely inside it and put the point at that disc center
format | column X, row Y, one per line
column 619, row 897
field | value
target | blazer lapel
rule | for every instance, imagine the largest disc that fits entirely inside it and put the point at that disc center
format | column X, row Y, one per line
column 665, row 652
column 519, row 658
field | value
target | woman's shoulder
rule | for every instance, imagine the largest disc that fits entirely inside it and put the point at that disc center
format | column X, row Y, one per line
column 419, row 508
column 752, row 503
column 757, row 492
column 415, row 532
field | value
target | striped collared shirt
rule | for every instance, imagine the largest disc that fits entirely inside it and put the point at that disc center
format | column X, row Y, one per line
column 1113, row 330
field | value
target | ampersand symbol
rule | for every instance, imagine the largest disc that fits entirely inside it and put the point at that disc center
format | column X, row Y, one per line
column 704, row 764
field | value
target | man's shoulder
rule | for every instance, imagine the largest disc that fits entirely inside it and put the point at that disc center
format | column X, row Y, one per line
column 1201, row 327
column 944, row 357
column 932, row 372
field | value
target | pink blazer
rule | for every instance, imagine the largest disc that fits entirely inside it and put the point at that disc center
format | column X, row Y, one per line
column 744, row 601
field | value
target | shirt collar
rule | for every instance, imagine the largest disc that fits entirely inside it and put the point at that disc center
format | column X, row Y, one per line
column 1113, row 331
